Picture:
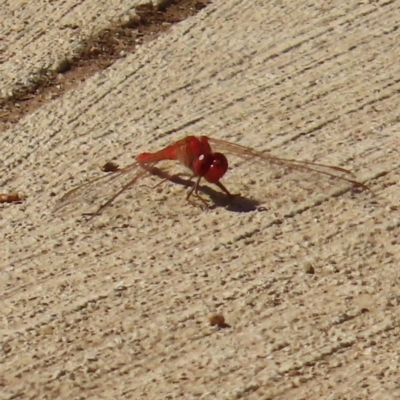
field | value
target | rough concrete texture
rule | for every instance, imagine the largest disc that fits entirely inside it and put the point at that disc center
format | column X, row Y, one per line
column 38, row 35
column 118, row 308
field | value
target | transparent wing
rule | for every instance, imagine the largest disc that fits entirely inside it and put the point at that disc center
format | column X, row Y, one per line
column 106, row 187
column 332, row 173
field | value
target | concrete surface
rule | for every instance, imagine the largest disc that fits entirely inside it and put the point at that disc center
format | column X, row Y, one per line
column 37, row 35
column 118, row 308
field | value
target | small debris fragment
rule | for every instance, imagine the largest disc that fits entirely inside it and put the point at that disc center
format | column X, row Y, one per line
column 91, row 357
column 110, row 166
column 11, row 198
column 59, row 373
column 309, row 269
column 6, row 348
column 161, row 5
column 46, row 330
column 218, row 320
column 130, row 20
column 63, row 66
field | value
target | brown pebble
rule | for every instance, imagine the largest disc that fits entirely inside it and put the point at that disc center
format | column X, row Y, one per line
column 11, row 198
column 218, row 320
column 110, row 166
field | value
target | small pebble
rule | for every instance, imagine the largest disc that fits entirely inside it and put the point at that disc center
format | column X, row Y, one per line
column 63, row 66
column 309, row 269
column 110, row 166
column 218, row 320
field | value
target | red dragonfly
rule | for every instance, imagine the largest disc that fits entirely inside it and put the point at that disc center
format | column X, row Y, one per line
column 201, row 156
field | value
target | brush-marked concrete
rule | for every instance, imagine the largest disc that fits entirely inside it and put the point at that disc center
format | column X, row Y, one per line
column 118, row 308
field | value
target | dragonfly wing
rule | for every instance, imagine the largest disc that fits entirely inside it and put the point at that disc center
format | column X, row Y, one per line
column 323, row 170
column 105, row 186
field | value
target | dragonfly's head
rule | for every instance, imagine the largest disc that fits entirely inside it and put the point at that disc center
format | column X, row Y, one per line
column 212, row 166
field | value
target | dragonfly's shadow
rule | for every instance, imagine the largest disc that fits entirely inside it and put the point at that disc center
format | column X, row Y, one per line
column 237, row 203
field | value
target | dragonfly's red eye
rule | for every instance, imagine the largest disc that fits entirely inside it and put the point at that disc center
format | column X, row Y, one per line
column 217, row 169
column 211, row 166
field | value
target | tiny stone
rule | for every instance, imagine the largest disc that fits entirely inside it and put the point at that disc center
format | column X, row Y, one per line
column 58, row 373
column 130, row 20
column 91, row 357
column 161, row 5
column 6, row 348
column 91, row 368
column 110, row 166
column 120, row 287
column 63, row 66
column 218, row 319
column 309, row 269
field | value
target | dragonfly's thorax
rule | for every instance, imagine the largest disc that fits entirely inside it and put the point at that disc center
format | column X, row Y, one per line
column 198, row 156
column 193, row 149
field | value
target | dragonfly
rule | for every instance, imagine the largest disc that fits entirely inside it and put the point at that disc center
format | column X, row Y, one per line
column 205, row 158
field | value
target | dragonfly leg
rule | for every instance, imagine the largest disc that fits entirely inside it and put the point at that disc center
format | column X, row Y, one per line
column 109, row 202
column 169, row 178
column 158, row 184
column 224, row 189
column 195, row 190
